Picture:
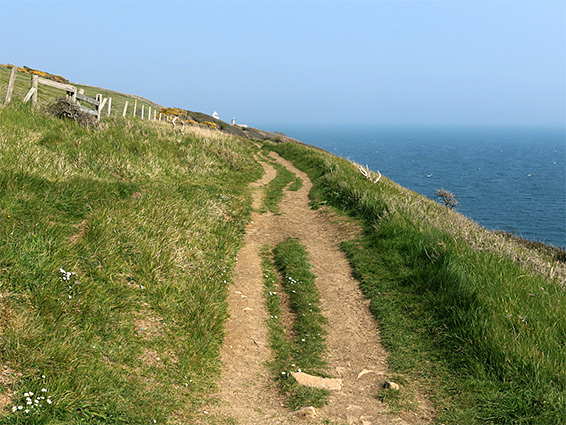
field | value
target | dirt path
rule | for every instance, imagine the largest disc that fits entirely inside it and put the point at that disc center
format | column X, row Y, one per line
column 248, row 394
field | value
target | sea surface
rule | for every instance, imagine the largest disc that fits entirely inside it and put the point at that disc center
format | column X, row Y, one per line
column 504, row 179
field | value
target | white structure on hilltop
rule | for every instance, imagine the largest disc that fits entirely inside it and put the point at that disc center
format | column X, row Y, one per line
column 215, row 115
column 239, row 125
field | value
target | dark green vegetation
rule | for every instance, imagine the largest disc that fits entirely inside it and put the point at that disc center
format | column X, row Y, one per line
column 148, row 224
column 473, row 320
column 301, row 348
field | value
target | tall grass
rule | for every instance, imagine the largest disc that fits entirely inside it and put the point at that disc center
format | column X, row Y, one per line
column 150, row 223
column 480, row 328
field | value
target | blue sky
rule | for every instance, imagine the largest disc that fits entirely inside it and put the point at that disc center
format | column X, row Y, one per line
column 281, row 63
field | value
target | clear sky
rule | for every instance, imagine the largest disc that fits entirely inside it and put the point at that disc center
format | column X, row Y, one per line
column 270, row 63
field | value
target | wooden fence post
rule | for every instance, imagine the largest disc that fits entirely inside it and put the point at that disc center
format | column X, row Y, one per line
column 99, row 107
column 149, row 113
column 109, row 105
column 34, row 85
column 125, row 109
column 81, row 91
column 143, row 106
column 11, row 85
column 135, row 107
column 160, row 116
column 154, row 113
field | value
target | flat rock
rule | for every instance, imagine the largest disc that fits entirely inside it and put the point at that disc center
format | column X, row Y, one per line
column 333, row 384
column 391, row 385
column 308, row 412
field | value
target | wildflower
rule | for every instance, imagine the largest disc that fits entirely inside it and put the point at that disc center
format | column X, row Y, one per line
column 20, row 407
column 14, row 408
column 303, row 340
column 27, row 410
column 283, row 373
column 49, row 401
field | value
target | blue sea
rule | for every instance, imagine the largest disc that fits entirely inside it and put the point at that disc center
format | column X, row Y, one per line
column 504, row 179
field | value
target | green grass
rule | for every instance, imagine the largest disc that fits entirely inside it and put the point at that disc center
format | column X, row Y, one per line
column 274, row 190
column 49, row 94
column 150, row 223
column 467, row 317
column 301, row 348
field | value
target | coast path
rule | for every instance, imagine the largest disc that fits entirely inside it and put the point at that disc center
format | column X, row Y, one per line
column 247, row 392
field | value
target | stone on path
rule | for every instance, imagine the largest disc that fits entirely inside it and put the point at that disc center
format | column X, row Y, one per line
column 391, row 385
column 333, row 384
column 308, row 412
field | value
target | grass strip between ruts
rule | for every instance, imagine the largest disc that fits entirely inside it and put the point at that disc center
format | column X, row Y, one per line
column 301, row 348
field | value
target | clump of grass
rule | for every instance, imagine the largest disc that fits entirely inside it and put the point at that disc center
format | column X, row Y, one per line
column 476, row 321
column 274, row 191
column 300, row 349
column 116, row 249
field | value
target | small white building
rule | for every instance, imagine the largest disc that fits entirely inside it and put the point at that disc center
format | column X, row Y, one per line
column 215, row 115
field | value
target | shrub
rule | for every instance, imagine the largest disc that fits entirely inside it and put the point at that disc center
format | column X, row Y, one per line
column 65, row 109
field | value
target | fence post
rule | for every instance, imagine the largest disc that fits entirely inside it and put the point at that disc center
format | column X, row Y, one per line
column 99, row 106
column 11, row 85
column 135, row 107
column 154, row 114
column 143, row 106
column 81, row 91
column 34, row 84
column 125, row 109
column 160, row 116
column 109, row 105
column 149, row 113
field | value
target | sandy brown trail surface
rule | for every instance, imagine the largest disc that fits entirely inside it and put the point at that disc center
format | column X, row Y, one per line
column 248, row 394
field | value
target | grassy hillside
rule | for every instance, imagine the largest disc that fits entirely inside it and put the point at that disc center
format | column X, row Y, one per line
column 116, row 250
column 474, row 319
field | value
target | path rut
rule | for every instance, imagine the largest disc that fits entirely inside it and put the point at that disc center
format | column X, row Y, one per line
column 248, row 394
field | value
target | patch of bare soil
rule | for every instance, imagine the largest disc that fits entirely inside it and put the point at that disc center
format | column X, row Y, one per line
column 248, row 394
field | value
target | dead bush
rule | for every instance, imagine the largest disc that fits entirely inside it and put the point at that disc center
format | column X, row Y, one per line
column 65, row 109
column 448, row 198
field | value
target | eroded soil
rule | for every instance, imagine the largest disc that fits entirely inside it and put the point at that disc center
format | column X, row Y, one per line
column 248, row 394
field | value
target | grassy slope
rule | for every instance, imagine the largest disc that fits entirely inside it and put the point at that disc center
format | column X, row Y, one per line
column 47, row 94
column 150, row 223
column 470, row 317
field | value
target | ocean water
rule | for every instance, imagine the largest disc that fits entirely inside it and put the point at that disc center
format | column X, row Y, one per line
column 504, row 179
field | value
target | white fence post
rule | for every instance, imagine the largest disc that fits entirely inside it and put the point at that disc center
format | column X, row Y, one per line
column 143, row 106
column 149, row 113
column 34, row 85
column 135, row 107
column 125, row 109
column 109, row 105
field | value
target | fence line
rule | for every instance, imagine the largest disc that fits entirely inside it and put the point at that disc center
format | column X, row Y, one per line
column 75, row 95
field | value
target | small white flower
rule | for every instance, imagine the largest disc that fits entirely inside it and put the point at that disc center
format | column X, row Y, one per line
column 14, row 408
column 298, row 370
column 303, row 339
column 283, row 373
column 49, row 401
column 43, row 376
column 28, row 402
column 69, row 297
column 26, row 394
column 20, row 407
column 27, row 410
